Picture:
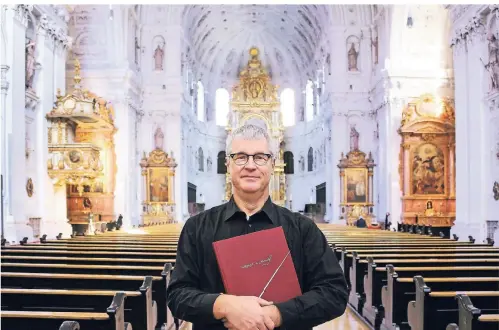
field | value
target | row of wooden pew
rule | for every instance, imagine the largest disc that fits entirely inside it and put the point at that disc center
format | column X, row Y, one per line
column 419, row 282
column 118, row 280
column 113, row 281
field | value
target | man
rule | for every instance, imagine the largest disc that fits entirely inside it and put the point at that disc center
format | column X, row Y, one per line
column 361, row 223
column 196, row 287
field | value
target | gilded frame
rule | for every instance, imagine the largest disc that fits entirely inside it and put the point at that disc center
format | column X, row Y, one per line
column 365, row 181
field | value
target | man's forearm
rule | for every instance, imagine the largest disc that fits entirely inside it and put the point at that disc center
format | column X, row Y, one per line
column 192, row 305
column 320, row 308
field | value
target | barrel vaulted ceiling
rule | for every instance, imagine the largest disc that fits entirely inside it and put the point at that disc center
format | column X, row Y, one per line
column 288, row 36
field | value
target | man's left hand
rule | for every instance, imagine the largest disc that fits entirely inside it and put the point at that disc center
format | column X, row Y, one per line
column 273, row 312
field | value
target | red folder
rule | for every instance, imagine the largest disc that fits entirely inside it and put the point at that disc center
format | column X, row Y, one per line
column 248, row 262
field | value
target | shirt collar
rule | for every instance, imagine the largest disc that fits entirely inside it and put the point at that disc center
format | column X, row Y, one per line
column 231, row 209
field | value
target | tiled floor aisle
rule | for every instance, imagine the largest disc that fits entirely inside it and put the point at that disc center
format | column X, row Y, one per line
column 347, row 321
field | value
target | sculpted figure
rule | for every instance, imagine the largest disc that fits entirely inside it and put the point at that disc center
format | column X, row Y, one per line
column 158, row 138
column 158, row 58
column 493, row 65
column 354, row 139
column 352, row 58
column 30, row 63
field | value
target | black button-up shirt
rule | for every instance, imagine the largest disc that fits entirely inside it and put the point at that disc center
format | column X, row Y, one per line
column 196, row 281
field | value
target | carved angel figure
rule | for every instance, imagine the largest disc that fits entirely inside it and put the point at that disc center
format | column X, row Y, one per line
column 158, row 138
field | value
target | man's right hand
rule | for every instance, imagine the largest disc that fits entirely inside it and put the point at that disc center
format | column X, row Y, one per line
column 242, row 313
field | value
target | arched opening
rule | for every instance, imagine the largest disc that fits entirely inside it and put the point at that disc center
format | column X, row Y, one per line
column 200, row 104
column 290, row 162
column 221, row 106
column 288, row 107
column 309, row 101
column 221, row 165
column 201, row 159
column 310, row 158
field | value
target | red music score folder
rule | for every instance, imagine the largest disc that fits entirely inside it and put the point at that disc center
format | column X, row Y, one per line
column 248, row 262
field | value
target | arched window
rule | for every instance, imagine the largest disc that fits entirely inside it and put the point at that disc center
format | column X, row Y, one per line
column 222, row 106
column 288, row 107
column 309, row 101
column 310, row 158
column 290, row 162
column 221, row 166
column 201, row 159
column 200, row 101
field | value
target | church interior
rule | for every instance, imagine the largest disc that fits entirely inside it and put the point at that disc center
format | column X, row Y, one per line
column 388, row 113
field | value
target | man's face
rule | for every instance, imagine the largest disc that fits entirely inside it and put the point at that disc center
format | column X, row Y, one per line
column 253, row 176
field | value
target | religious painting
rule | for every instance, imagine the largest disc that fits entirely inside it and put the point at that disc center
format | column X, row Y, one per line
column 158, row 185
column 428, row 170
column 356, row 185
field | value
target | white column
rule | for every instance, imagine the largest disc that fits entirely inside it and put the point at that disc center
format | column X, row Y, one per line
column 394, row 204
column 15, row 218
column 122, row 140
column 338, row 144
column 331, row 171
column 472, row 182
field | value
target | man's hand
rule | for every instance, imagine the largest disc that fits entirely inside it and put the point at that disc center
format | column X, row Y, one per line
column 242, row 313
column 275, row 315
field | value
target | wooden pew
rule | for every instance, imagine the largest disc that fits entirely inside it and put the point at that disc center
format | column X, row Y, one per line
column 84, row 260
column 359, row 272
column 140, row 309
column 107, row 247
column 103, row 254
column 472, row 318
column 436, row 309
column 94, row 281
column 112, row 319
column 399, row 290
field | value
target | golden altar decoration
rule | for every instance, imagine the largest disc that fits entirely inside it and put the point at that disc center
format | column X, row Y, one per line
column 158, row 170
column 356, row 186
column 427, row 162
column 82, row 154
column 255, row 98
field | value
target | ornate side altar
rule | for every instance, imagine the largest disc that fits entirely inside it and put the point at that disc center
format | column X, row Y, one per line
column 427, row 162
column 255, row 97
column 158, row 169
column 356, row 184
column 82, row 156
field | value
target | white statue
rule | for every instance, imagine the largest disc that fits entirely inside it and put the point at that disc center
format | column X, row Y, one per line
column 158, row 58
column 158, row 139
column 352, row 58
column 354, row 139
column 30, row 63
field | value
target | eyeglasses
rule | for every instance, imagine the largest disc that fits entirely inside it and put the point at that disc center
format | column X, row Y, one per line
column 260, row 159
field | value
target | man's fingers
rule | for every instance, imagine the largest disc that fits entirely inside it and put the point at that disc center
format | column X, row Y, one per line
column 264, row 302
column 268, row 322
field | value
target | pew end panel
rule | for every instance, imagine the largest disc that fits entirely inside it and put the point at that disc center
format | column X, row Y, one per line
column 469, row 316
column 151, row 309
column 418, row 310
column 372, row 311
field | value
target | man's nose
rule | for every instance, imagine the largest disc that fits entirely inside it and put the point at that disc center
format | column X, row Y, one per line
column 251, row 163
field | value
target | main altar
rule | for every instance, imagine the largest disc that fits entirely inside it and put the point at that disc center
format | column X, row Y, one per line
column 255, row 98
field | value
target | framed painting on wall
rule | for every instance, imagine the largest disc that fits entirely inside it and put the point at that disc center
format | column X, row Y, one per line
column 355, row 186
column 157, row 185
